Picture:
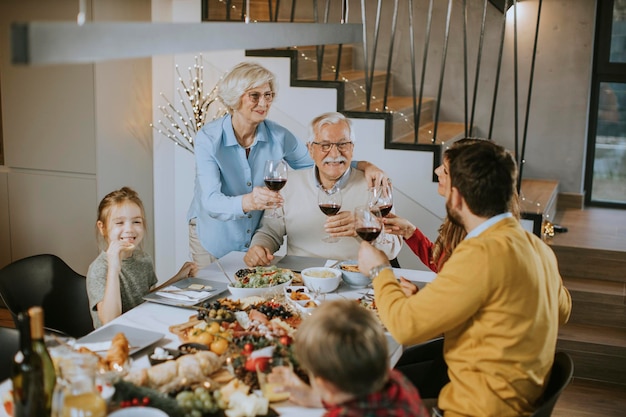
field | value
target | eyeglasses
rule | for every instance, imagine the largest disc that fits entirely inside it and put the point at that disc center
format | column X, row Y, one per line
column 256, row 96
column 327, row 146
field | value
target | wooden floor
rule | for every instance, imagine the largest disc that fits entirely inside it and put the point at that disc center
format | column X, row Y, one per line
column 599, row 228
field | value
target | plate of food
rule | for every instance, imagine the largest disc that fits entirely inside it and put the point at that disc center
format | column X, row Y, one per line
column 259, row 281
column 101, row 339
column 301, row 298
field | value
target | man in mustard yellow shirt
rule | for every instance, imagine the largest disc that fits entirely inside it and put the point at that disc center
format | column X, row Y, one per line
column 498, row 300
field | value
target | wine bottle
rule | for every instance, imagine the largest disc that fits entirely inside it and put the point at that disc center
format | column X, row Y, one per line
column 27, row 377
column 39, row 347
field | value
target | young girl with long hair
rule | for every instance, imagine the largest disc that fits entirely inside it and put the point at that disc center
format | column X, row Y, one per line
column 123, row 273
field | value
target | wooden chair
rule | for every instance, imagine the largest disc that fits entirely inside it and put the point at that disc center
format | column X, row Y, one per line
column 560, row 377
column 47, row 281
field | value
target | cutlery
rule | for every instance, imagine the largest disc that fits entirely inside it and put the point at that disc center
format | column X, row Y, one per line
column 224, row 272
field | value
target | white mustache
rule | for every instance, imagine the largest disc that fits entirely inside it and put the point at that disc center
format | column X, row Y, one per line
column 330, row 160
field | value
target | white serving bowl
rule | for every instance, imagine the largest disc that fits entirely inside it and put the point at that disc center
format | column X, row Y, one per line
column 353, row 279
column 321, row 279
column 240, row 293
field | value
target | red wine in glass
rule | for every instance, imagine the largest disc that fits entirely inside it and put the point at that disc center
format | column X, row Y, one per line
column 275, row 177
column 329, row 201
column 275, row 184
column 368, row 233
column 368, row 223
column 330, row 209
column 385, row 210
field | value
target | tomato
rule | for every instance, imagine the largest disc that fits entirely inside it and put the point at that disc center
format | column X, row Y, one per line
column 260, row 363
column 248, row 348
column 145, row 401
column 135, row 401
column 285, row 340
column 8, row 407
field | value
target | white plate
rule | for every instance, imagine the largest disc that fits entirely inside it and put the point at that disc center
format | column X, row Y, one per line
column 138, row 412
column 239, row 293
column 137, row 338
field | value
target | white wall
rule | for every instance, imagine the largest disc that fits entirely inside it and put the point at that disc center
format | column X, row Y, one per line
column 72, row 133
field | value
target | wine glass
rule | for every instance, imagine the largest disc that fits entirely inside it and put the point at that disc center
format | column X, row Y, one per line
column 382, row 197
column 329, row 202
column 275, row 176
column 368, row 222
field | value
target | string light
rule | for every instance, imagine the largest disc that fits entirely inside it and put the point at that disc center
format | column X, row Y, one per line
column 181, row 124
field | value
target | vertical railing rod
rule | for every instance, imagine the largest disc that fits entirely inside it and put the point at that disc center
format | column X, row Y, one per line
column 369, row 93
column 497, row 82
column 292, row 15
column 413, row 80
column 515, row 83
column 269, row 6
column 530, row 89
column 344, row 19
column 365, row 53
column 443, row 67
column 276, row 11
column 394, row 25
column 227, row 9
column 478, row 61
column 465, row 65
column 319, row 49
column 423, row 75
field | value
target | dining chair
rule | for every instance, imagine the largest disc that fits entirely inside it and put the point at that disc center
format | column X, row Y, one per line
column 47, row 281
column 9, row 345
column 560, row 377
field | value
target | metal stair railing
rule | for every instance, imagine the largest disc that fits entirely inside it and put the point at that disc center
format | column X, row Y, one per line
column 371, row 51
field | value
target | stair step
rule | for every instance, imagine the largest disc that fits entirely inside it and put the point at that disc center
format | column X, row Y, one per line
column 402, row 112
column 446, row 131
column 598, row 352
column 610, row 337
column 595, row 290
column 539, row 196
column 307, row 61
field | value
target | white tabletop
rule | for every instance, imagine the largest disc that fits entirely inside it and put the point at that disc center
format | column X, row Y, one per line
column 158, row 318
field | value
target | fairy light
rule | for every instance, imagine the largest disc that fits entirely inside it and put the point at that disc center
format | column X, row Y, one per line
column 181, row 123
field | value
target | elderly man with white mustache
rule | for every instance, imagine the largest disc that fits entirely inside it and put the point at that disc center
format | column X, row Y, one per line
column 331, row 146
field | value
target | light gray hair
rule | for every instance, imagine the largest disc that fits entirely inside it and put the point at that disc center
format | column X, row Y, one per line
column 330, row 118
column 241, row 78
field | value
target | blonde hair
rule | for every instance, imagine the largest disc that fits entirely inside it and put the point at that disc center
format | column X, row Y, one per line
column 241, row 78
column 114, row 199
column 344, row 344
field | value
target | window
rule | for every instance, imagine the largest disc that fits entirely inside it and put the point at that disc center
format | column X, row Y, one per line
column 605, row 177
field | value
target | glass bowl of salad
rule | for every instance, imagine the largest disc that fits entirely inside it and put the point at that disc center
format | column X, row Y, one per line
column 260, row 281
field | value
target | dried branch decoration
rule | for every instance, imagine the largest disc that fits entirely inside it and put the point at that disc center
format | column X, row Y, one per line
column 182, row 125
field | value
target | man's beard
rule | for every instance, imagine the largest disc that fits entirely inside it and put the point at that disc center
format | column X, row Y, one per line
column 454, row 216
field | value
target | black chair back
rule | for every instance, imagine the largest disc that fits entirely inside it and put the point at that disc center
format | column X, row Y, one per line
column 560, row 377
column 47, row 281
column 9, row 345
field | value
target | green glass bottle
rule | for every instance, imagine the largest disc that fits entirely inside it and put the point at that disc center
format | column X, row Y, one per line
column 27, row 376
column 39, row 347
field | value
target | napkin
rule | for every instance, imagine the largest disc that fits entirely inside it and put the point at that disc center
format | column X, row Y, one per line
column 176, row 293
column 95, row 346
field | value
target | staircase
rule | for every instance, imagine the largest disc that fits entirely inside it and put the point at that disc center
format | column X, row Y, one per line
column 313, row 67
column 592, row 260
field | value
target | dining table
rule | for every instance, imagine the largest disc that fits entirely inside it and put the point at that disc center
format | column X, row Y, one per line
column 156, row 318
